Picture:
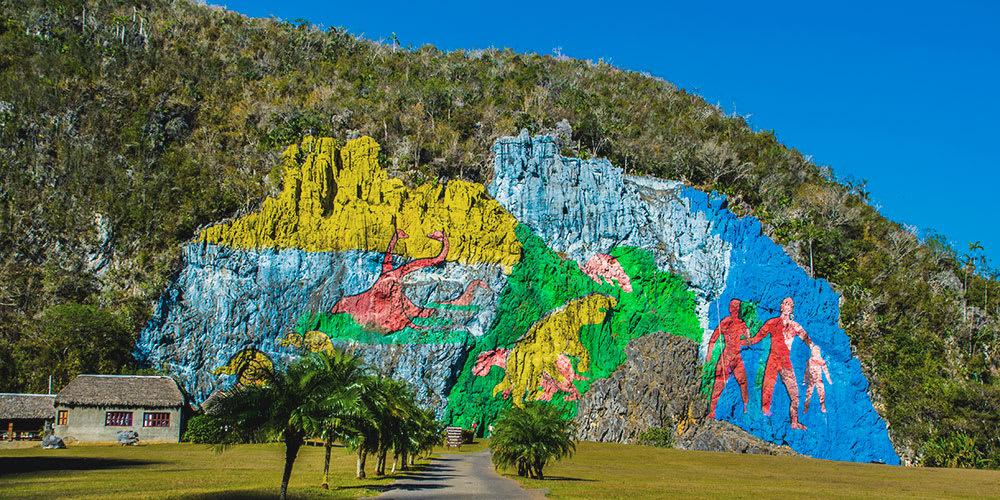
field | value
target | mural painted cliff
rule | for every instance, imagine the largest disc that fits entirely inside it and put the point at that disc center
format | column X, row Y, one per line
column 529, row 288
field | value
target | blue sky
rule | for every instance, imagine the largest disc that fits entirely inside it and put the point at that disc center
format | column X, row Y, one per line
column 903, row 94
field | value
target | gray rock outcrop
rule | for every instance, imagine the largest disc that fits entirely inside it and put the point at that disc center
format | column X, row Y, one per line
column 657, row 386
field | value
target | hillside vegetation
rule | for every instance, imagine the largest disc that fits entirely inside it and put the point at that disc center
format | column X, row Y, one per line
column 126, row 126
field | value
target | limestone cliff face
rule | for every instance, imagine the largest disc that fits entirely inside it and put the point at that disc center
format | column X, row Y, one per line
column 560, row 280
column 589, row 207
column 658, row 386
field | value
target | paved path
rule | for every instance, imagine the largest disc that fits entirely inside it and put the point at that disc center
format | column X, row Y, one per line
column 458, row 475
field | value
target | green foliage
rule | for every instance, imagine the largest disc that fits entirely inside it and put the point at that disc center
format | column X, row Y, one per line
column 658, row 436
column 958, row 450
column 70, row 339
column 527, row 438
column 203, row 429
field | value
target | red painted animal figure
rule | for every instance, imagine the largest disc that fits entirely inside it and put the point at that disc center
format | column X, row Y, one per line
column 385, row 307
column 604, row 268
column 734, row 333
column 489, row 359
column 562, row 382
column 782, row 330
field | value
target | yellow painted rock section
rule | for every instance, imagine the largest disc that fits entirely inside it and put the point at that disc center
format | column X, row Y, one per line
column 314, row 341
column 354, row 205
column 249, row 365
column 557, row 333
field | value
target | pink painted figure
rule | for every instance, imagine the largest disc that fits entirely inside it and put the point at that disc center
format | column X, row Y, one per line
column 551, row 385
column 814, row 378
column 734, row 333
column 385, row 307
column 489, row 359
column 605, row 268
column 782, row 330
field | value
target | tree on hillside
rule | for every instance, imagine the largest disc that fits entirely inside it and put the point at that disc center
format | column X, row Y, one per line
column 527, row 438
column 69, row 339
column 970, row 266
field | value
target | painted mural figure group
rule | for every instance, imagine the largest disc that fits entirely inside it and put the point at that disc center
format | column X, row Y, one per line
column 782, row 331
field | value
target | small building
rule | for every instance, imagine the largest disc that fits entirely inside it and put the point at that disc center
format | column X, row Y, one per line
column 95, row 408
column 23, row 416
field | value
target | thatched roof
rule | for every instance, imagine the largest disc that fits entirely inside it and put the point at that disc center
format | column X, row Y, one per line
column 131, row 391
column 27, row 406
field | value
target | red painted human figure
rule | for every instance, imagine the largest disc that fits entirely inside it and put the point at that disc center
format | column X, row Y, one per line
column 782, row 330
column 385, row 307
column 734, row 333
column 815, row 370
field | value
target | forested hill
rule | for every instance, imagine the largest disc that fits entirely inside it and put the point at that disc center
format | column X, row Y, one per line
column 124, row 127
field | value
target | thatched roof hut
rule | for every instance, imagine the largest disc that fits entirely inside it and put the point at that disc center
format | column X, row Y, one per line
column 27, row 406
column 24, row 415
column 121, row 391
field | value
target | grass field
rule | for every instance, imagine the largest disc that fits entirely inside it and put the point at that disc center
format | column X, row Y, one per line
column 605, row 470
column 596, row 471
column 175, row 471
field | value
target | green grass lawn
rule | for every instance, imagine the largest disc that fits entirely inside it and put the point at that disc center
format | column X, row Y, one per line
column 597, row 471
column 176, row 470
column 606, row 470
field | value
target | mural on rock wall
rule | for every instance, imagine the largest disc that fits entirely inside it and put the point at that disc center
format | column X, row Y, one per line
column 530, row 288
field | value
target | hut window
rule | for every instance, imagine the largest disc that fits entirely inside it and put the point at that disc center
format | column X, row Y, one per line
column 118, row 419
column 63, row 417
column 157, row 419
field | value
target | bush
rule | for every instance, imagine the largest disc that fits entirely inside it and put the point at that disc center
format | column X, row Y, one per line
column 657, row 436
column 203, row 429
column 528, row 437
column 959, row 450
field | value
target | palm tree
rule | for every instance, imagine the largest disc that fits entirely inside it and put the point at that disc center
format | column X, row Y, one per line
column 395, row 424
column 970, row 264
column 289, row 403
column 346, row 374
column 361, row 424
column 528, row 437
column 418, row 434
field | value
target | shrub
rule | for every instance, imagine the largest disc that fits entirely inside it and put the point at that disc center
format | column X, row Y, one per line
column 202, row 429
column 959, row 450
column 528, row 437
column 657, row 436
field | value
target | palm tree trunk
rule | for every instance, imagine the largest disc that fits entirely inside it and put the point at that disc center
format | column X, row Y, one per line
column 402, row 462
column 362, row 458
column 326, row 463
column 538, row 470
column 965, row 294
column 380, row 463
column 293, row 441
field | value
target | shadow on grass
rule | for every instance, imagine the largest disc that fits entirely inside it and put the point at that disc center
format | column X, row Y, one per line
column 569, row 479
column 28, row 465
column 238, row 494
column 549, row 478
